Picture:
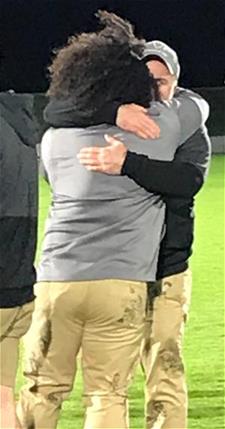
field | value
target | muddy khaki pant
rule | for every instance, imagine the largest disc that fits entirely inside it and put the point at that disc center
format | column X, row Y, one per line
column 14, row 323
column 106, row 318
column 161, row 353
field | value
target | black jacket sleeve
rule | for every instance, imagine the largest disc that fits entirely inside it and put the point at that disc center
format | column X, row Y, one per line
column 64, row 113
column 182, row 177
column 172, row 179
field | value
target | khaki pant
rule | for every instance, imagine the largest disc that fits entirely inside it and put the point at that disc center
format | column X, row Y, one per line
column 161, row 353
column 106, row 318
column 14, row 323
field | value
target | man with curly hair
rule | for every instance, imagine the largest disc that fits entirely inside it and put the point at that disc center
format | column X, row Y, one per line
column 102, row 236
column 162, row 360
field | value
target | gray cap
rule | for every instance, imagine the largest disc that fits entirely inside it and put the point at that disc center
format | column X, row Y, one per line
column 167, row 54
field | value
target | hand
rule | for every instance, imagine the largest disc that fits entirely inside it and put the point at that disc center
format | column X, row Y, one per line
column 108, row 159
column 134, row 118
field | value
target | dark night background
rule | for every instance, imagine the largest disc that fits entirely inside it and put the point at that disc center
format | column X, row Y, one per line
column 30, row 29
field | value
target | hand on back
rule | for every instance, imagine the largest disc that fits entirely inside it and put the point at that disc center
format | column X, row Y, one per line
column 135, row 118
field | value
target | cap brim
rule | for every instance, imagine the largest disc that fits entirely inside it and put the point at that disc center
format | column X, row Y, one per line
column 162, row 57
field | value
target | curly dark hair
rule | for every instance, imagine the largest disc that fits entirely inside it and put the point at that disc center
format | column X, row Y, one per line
column 93, row 69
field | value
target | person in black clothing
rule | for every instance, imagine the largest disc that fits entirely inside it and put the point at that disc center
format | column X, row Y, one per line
column 18, row 237
column 178, row 181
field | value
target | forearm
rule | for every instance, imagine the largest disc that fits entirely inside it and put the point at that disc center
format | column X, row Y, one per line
column 169, row 178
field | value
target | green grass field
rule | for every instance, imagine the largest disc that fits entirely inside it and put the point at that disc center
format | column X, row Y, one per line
column 204, row 339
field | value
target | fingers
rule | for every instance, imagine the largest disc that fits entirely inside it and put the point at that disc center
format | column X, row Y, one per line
column 86, row 157
column 150, row 125
column 108, row 159
column 138, row 108
column 95, row 168
column 136, row 119
column 142, row 134
column 93, row 163
column 89, row 161
column 143, row 117
column 95, row 151
column 91, row 156
column 145, row 127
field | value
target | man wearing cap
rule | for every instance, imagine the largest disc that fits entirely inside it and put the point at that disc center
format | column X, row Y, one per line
column 166, row 392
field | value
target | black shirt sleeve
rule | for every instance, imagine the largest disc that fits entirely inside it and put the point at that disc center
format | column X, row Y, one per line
column 182, row 177
column 64, row 113
column 169, row 178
